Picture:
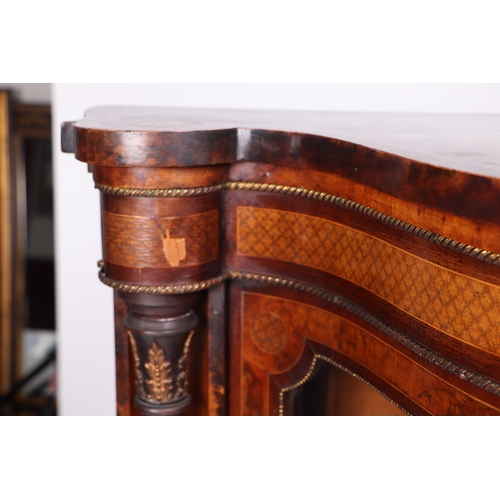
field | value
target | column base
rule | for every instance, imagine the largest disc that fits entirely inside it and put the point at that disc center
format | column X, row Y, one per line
column 174, row 408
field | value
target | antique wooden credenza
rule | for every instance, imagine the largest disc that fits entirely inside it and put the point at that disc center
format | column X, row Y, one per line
column 299, row 262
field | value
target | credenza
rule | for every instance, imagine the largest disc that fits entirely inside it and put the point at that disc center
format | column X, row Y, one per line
column 299, row 263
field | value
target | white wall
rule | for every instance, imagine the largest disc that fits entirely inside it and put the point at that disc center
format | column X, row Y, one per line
column 84, row 305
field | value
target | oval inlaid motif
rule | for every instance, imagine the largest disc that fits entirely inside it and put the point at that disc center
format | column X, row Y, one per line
column 269, row 333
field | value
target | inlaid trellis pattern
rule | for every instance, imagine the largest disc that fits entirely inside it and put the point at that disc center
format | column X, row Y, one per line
column 161, row 242
column 461, row 306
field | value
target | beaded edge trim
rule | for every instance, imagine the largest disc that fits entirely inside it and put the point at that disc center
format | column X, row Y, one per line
column 160, row 193
column 417, row 348
column 122, row 286
column 309, row 373
column 463, row 248
column 422, row 351
column 469, row 250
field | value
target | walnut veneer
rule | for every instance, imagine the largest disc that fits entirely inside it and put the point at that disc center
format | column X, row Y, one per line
column 260, row 248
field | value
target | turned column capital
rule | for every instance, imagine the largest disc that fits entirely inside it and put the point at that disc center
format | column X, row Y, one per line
column 160, row 329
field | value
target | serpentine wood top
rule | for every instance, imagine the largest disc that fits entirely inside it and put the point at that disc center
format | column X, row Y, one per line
column 150, row 136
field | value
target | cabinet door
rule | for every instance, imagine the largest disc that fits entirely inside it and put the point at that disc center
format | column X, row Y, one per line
column 334, row 312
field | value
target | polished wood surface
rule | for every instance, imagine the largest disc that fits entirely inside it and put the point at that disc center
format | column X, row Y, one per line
column 466, row 142
column 364, row 242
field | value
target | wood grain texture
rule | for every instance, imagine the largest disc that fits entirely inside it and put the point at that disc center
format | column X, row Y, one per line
column 303, row 321
column 466, row 308
column 234, row 341
column 217, row 336
column 125, row 390
column 395, row 154
column 145, row 136
column 466, row 227
column 435, row 248
column 473, row 384
column 152, row 241
column 255, row 348
column 161, row 242
column 159, row 207
column 255, row 391
column 469, row 355
column 158, row 178
column 368, row 241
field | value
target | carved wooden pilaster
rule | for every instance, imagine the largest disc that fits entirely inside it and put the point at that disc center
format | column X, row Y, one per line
column 160, row 329
column 161, row 247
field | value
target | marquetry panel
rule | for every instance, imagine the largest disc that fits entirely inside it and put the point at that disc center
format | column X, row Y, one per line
column 303, row 321
column 269, row 333
column 161, row 242
column 269, row 342
column 464, row 307
column 466, row 230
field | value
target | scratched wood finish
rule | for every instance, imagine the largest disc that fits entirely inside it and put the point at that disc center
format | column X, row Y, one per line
column 380, row 279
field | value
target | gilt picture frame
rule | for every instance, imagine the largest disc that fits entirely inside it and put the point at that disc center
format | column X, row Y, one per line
column 7, row 348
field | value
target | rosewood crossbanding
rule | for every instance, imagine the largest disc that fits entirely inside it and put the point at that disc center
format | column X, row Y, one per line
column 253, row 252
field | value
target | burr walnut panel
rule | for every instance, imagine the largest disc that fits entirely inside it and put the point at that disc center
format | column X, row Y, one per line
column 303, row 321
column 254, row 391
column 458, row 305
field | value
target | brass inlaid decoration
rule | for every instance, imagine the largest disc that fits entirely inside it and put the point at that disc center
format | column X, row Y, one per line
column 269, row 333
column 469, row 250
column 422, row 386
column 309, row 373
column 160, row 193
column 174, row 249
column 161, row 242
column 456, row 246
column 464, row 307
column 139, row 381
column 159, row 386
column 424, row 352
column 182, row 369
column 123, row 286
